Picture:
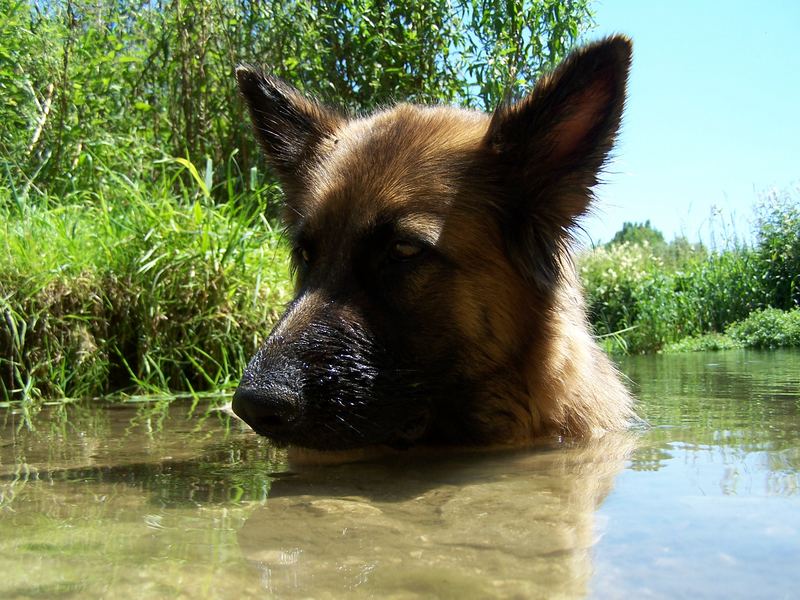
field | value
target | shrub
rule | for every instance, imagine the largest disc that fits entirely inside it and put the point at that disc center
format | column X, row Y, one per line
column 703, row 343
column 778, row 249
column 768, row 328
column 131, row 288
column 645, row 297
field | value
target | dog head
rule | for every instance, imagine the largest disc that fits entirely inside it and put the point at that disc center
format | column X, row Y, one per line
column 429, row 245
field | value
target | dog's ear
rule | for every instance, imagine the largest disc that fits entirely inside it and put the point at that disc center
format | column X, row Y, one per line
column 288, row 125
column 550, row 146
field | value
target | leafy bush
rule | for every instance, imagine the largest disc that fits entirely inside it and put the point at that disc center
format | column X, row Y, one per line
column 704, row 343
column 629, row 289
column 768, row 328
column 122, row 84
column 131, row 288
column 778, row 250
column 644, row 297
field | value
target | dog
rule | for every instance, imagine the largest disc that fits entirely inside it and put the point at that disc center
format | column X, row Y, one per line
column 436, row 300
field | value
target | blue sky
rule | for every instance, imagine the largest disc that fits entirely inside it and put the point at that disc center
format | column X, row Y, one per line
column 713, row 115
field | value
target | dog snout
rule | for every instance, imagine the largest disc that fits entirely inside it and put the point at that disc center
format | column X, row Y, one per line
column 271, row 410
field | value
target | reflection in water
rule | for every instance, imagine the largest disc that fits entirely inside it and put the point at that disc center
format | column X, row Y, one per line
column 175, row 458
column 128, row 502
column 483, row 526
column 709, row 506
column 161, row 501
column 739, row 409
column 742, row 399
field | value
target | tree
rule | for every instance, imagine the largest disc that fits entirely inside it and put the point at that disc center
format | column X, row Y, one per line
column 117, row 85
column 638, row 233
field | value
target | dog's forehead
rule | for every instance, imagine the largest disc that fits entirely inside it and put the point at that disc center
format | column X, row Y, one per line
column 406, row 163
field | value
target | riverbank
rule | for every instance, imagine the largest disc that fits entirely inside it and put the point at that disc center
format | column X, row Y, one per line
column 135, row 288
column 154, row 287
column 650, row 296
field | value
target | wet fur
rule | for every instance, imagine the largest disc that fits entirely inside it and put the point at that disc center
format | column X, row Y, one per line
column 482, row 337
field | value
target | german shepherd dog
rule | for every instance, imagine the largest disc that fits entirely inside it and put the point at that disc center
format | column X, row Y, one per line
column 436, row 299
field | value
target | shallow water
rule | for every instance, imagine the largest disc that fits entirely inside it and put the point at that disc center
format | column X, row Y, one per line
column 158, row 500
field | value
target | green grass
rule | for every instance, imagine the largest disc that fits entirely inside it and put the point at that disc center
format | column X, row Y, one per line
column 644, row 298
column 168, row 283
column 135, row 287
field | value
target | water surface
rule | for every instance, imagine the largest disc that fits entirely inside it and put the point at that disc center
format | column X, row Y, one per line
column 165, row 500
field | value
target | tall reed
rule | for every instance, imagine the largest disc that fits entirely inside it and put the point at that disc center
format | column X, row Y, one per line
column 136, row 287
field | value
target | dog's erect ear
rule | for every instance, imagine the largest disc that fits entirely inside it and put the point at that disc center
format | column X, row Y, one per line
column 551, row 146
column 288, row 125
column 554, row 142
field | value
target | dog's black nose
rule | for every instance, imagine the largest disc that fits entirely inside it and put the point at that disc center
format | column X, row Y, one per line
column 269, row 410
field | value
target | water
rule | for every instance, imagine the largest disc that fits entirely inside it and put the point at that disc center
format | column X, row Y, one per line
column 158, row 500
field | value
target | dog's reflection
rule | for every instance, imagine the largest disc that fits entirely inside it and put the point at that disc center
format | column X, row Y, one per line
column 500, row 525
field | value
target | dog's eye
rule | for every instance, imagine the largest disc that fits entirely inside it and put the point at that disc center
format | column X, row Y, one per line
column 303, row 254
column 405, row 250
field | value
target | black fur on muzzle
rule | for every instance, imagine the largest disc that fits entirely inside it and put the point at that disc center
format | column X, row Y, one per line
column 330, row 386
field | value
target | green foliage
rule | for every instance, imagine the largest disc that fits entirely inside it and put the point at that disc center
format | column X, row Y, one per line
column 629, row 288
column 645, row 297
column 122, row 84
column 508, row 44
column 134, row 288
column 703, row 343
column 673, row 254
column 638, row 233
column 768, row 328
column 778, row 252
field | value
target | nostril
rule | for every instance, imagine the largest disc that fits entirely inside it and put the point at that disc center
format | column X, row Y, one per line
column 269, row 409
column 271, row 421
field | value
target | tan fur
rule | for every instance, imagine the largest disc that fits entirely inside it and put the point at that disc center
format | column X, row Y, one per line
column 494, row 196
column 571, row 388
